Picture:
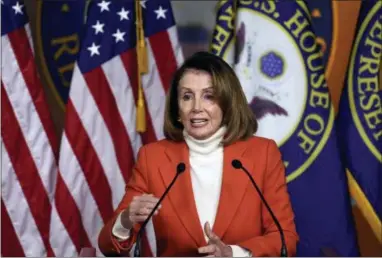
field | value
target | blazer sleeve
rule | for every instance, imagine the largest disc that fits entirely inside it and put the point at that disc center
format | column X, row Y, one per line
column 276, row 194
column 137, row 185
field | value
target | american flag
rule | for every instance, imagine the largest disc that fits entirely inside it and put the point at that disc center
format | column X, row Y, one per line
column 100, row 142
column 29, row 145
column 46, row 212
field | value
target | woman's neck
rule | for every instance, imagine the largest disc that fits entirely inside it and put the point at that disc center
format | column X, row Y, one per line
column 205, row 146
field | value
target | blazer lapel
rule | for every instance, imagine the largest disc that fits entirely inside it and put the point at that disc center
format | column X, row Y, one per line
column 181, row 194
column 234, row 185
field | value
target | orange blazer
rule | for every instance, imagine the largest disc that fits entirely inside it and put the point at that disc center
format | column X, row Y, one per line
column 241, row 219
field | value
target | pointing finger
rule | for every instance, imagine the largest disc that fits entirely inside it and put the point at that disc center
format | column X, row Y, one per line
column 207, row 229
column 210, row 234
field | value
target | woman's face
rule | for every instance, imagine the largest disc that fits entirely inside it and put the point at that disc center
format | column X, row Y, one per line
column 200, row 114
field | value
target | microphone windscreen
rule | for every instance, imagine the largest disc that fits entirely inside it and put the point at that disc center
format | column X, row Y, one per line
column 181, row 167
column 236, row 164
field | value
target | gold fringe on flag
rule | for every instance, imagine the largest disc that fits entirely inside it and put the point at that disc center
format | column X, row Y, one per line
column 142, row 67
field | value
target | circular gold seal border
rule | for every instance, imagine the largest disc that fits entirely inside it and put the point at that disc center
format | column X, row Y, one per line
column 317, row 151
column 330, row 122
column 40, row 51
column 352, row 105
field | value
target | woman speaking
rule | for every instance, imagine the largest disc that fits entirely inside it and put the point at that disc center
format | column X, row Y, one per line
column 212, row 209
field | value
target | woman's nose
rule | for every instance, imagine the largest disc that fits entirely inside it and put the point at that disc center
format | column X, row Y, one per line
column 197, row 105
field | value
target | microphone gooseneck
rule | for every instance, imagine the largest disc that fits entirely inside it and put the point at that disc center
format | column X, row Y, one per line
column 180, row 168
column 238, row 165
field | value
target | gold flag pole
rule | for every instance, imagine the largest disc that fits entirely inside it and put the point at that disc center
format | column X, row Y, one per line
column 141, row 69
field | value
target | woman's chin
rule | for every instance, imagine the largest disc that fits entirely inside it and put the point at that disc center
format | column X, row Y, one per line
column 200, row 134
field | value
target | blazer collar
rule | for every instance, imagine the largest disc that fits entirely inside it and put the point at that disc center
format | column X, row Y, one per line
column 181, row 195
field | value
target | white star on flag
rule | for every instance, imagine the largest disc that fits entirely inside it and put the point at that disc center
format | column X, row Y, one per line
column 119, row 36
column 94, row 49
column 123, row 14
column 143, row 3
column 17, row 8
column 104, row 6
column 161, row 13
column 98, row 27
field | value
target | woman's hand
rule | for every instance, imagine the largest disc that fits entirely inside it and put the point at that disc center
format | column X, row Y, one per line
column 138, row 210
column 215, row 246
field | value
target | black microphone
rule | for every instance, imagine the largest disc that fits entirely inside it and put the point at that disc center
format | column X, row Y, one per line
column 137, row 250
column 237, row 164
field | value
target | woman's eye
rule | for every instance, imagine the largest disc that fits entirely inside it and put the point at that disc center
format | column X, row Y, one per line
column 186, row 97
column 209, row 96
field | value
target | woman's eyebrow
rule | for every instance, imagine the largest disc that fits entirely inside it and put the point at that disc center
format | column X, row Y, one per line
column 211, row 88
column 182, row 88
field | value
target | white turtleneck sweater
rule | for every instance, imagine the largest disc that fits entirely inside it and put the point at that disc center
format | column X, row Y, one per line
column 206, row 161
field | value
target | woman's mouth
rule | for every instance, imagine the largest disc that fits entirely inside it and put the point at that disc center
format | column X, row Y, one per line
column 198, row 122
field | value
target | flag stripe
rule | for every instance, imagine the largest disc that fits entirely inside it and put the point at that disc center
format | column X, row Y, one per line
column 151, row 251
column 155, row 93
column 20, row 143
column 23, row 55
column 176, row 47
column 106, row 104
column 71, row 219
column 24, row 206
column 33, row 178
column 98, row 134
column 32, row 112
column 88, row 162
column 118, row 80
column 8, row 235
column 150, row 239
column 24, row 93
column 59, row 235
column 164, row 57
column 78, row 184
column 29, row 36
column 129, row 60
column 18, row 41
